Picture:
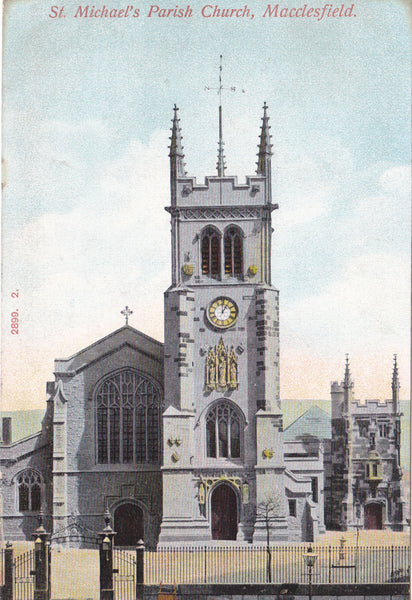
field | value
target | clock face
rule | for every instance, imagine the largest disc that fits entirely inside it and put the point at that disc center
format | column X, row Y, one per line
column 222, row 312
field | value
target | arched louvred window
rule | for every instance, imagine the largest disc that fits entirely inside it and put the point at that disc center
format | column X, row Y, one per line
column 223, row 431
column 128, row 415
column 233, row 252
column 211, row 253
column 29, row 491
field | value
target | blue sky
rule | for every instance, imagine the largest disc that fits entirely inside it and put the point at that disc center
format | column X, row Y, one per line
column 87, row 105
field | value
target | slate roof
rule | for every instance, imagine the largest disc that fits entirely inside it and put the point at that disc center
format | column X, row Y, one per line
column 315, row 422
column 24, row 423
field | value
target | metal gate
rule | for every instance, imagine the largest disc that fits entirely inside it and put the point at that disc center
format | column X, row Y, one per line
column 124, row 574
column 23, row 576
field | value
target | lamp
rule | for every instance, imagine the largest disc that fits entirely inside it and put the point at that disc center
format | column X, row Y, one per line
column 106, row 543
column 310, row 558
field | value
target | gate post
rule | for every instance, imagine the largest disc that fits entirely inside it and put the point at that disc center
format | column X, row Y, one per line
column 139, row 570
column 106, row 559
column 41, row 561
column 8, row 572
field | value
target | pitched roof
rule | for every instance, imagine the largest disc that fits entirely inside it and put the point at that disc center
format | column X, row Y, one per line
column 315, row 422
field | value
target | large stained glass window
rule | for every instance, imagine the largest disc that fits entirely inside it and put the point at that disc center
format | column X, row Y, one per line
column 223, row 431
column 128, row 415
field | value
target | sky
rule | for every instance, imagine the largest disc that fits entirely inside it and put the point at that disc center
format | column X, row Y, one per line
column 87, row 105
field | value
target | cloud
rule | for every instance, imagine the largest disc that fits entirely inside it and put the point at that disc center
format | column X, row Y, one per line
column 76, row 270
column 364, row 312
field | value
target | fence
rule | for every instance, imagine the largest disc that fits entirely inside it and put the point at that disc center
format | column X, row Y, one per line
column 249, row 564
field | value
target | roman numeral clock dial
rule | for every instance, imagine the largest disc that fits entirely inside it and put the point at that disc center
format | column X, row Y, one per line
column 222, row 313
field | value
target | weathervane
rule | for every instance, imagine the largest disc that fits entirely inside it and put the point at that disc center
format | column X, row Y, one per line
column 220, row 156
column 126, row 313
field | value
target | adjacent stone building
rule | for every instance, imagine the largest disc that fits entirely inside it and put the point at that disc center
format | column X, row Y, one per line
column 365, row 489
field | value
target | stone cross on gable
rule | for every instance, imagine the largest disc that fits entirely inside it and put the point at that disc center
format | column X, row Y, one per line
column 126, row 313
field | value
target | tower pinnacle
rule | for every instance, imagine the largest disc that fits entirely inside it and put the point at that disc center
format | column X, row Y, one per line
column 347, row 378
column 176, row 148
column 265, row 147
column 395, row 384
column 347, row 387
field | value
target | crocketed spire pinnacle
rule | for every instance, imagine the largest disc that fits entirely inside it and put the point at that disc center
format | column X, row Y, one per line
column 395, row 374
column 395, row 384
column 265, row 147
column 176, row 148
column 347, row 379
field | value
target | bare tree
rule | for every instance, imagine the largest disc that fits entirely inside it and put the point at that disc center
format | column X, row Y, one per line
column 267, row 511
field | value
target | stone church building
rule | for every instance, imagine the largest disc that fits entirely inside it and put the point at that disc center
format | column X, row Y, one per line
column 183, row 441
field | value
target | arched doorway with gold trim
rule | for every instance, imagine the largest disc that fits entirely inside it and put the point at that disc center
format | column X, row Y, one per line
column 224, row 512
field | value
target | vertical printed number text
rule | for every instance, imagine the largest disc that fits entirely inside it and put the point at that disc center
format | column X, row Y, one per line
column 14, row 317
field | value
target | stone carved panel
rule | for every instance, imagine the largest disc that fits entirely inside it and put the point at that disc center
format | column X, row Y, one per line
column 221, row 369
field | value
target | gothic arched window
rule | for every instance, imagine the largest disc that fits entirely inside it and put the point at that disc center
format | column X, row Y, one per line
column 211, row 253
column 233, row 252
column 128, row 409
column 29, row 491
column 223, row 431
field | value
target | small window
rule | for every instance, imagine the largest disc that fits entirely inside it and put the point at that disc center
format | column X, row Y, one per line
column 233, row 252
column 314, row 482
column 384, row 430
column 211, row 253
column 372, row 440
column 29, row 491
column 363, row 428
column 375, row 469
column 292, row 508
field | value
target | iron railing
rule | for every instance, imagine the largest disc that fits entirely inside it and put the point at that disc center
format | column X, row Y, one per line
column 249, row 564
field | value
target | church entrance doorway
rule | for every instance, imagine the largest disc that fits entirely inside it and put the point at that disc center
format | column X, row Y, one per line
column 128, row 524
column 224, row 513
column 373, row 516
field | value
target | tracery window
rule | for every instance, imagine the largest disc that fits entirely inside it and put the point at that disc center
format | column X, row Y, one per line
column 223, row 431
column 211, row 253
column 128, row 411
column 233, row 252
column 29, row 491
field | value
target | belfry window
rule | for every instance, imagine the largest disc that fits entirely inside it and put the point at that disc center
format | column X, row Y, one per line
column 211, row 253
column 223, row 431
column 128, row 416
column 233, row 252
column 29, row 491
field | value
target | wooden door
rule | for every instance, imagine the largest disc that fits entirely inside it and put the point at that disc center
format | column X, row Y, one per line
column 128, row 525
column 373, row 516
column 224, row 513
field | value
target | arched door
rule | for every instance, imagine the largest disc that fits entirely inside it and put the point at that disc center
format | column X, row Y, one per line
column 224, row 513
column 373, row 516
column 128, row 524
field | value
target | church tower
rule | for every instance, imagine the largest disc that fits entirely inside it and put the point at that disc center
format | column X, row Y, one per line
column 222, row 428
